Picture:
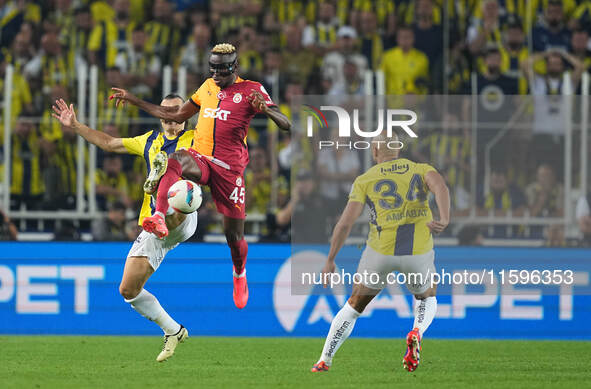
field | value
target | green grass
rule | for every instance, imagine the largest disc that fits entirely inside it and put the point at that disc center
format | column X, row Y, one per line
column 129, row 362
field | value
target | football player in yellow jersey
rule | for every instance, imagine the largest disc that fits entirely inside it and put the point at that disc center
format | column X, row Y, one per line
column 400, row 239
column 147, row 251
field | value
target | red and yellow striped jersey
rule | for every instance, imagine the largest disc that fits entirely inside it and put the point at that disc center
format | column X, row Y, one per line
column 224, row 118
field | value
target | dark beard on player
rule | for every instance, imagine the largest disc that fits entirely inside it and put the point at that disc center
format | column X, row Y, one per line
column 554, row 23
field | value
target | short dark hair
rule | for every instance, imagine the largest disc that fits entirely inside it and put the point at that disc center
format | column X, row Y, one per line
column 467, row 235
column 172, row 96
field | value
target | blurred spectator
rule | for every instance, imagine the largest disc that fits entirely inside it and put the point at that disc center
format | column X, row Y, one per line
column 545, row 198
column 297, row 61
column 23, row 50
column 551, row 32
column 249, row 57
column 470, row 236
column 65, row 159
column 272, row 77
column 26, row 174
column 514, row 52
column 112, row 227
column 102, row 10
column 383, row 15
column 336, row 171
column 195, row 54
column 487, row 30
column 549, row 111
column 50, row 65
column 406, row 69
column 12, row 14
column 322, row 34
column 228, row 15
column 163, row 36
column 111, row 182
column 67, row 231
column 333, row 62
column 139, row 68
column 258, row 180
column 428, row 36
column 551, row 82
column 372, row 42
column 121, row 117
column 580, row 47
column 77, row 39
column 491, row 83
column 49, row 128
column 502, row 196
column 8, row 230
column 112, row 36
column 63, row 15
column 583, row 215
column 21, row 98
column 351, row 84
column 305, row 211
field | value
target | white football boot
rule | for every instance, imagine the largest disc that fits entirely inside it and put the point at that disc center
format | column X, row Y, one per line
column 170, row 343
column 159, row 166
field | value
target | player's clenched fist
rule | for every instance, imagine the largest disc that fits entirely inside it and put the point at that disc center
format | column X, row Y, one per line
column 257, row 101
column 328, row 268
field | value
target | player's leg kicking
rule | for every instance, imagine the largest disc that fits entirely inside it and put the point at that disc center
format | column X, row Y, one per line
column 143, row 259
column 374, row 262
column 188, row 165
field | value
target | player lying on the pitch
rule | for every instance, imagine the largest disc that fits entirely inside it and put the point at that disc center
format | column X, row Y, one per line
column 226, row 103
column 400, row 239
column 147, row 251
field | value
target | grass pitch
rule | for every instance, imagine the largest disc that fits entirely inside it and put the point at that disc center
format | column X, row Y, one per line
column 129, row 362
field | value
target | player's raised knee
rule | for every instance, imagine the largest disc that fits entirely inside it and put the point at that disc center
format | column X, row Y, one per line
column 177, row 155
column 128, row 292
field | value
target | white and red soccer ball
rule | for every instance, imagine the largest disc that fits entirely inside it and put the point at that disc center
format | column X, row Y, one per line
column 184, row 196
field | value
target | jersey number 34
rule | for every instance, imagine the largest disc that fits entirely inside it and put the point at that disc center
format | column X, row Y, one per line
column 392, row 199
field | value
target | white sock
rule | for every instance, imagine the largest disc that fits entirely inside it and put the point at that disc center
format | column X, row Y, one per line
column 236, row 275
column 340, row 329
column 159, row 214
column 424, row 313
column 148, row 306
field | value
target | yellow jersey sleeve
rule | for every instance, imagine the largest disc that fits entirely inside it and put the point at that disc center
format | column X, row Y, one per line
column 425, row 168
column 357, row 193
column 137, row 144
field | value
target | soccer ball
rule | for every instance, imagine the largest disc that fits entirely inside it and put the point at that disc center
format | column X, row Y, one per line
column 184, row 196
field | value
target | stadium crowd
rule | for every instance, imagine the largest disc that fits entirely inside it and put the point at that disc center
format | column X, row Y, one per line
column 312, row 47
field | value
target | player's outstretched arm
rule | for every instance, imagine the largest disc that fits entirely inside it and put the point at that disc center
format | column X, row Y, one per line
column 258, row 103
column 340, row 233
column 437, row 186
column 67, row 116
column 179, row 115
